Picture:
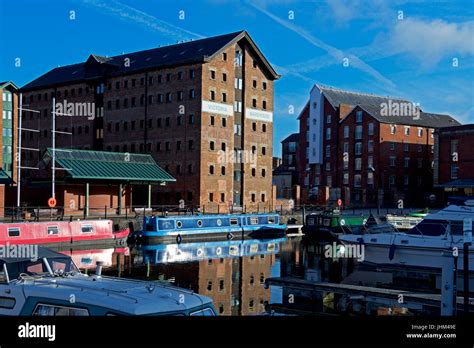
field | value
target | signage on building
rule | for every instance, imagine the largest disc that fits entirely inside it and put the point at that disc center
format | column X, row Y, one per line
column 259, row 115
column 217, row 108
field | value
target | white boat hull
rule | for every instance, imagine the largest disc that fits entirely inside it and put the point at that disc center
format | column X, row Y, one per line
column 399, row 249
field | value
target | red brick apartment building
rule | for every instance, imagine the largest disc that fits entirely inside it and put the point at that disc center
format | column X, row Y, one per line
column 203, row 109
column 366, row 149
column 454, row 160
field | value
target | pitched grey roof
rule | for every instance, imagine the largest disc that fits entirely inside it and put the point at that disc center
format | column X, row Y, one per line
column 292, row 138
column 167, row 56
column 372, row 104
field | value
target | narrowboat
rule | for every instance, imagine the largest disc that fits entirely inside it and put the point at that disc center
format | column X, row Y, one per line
column 44, row 286
column 187, row 228
column 328, row 225
column 206, row 250
column 51, row 233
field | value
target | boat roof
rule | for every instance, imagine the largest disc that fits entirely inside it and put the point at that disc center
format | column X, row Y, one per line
column 129, row 296
column 453, row 212
column 210, row 216
column 42, row 253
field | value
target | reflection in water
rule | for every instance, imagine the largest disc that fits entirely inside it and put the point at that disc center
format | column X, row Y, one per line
column 233, row 273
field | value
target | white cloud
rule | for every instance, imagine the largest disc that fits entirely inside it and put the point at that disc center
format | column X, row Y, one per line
column 431, row 41
column 131, row 14
column 334, row 52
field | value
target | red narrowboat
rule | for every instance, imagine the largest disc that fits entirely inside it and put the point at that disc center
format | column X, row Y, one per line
column 60, row 232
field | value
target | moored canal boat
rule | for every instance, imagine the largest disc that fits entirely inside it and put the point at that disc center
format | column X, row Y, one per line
column 187, row 228
column 52, row 233
column 43, row 286
column 328, row 225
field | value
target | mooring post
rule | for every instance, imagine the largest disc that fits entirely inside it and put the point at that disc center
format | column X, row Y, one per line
column 448, row 295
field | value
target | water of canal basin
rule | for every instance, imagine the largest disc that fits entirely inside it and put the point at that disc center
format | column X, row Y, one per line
column 233, row 274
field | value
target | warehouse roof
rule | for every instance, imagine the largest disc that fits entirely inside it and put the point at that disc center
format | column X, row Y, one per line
column 190, row 52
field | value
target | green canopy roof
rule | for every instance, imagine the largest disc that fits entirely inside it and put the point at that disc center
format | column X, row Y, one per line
column 102, row 165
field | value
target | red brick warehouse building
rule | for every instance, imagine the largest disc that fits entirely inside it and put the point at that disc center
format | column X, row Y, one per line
column 454, row 161
column 203, row 109
column 360, row 148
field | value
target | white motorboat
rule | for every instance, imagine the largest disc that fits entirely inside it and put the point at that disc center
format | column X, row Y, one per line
column 430, row 244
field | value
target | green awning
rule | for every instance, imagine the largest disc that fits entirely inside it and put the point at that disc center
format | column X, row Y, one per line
column 102, row 165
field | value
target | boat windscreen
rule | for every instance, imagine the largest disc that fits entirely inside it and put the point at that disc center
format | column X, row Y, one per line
column 430, row 228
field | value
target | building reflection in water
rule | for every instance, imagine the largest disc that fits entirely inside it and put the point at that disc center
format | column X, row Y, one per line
column 232, row 272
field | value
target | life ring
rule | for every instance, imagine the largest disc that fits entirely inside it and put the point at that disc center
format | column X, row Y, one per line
column 178, row 239
column 199, row 223
column 179, row 224
column 200, row 252
column 219, row 222
column 218, row 251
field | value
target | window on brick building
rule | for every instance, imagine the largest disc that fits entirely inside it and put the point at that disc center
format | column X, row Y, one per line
column 264, row 86
column 254, row 172
column 211, row 197
column 264, row 172
column 167, row 146
column 420, row 163
column 407, row 130
column 223, row 146
column 190, row 145
column 392, row 146
column 358, row 148
column 224, row 56
column 346, row 132
column 328, row 133
column 252, row 197
column 211, row 120
column 254, row 83
column 420, row 132
column 211, row 170
column 264, row 150
column 109, row 105
column 264, row 104
column 192, row 74
column 169, row 97
column 328, row 151
column 254, row 126
column 212, row 74
column 223, row 170
column 190, row 168
column 358, row 132
column 328, row 166
column 224, row 97
column 117, row 85
column 180, row 75
column 370, row 146
column 211, row 145
column 213, row 95
column 357, row 180
column 159, row 78
column 358, row 163
column 179, row 120
column 328, row 119
column 117, row 104
column 191, row 119
column 180, row 95
column 167, row 121
column 125, row 103
column 358, row 116
column 264, row 127
column 254, row 103
column 132, row 102
column 406, row 147
column 158, row 146
column 393, row 160
column 454, row 171
column 371, row 129
column 406, row 180
column 393, row 129
column 168, row 77
column 224, row 77
column 224, row 122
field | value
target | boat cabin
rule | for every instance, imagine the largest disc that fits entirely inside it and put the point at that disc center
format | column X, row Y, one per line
column 42, row 285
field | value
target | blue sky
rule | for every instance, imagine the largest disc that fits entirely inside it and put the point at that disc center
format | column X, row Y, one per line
column 420, row 50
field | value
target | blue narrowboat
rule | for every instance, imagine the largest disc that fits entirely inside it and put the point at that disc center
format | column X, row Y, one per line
column 188, row 228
